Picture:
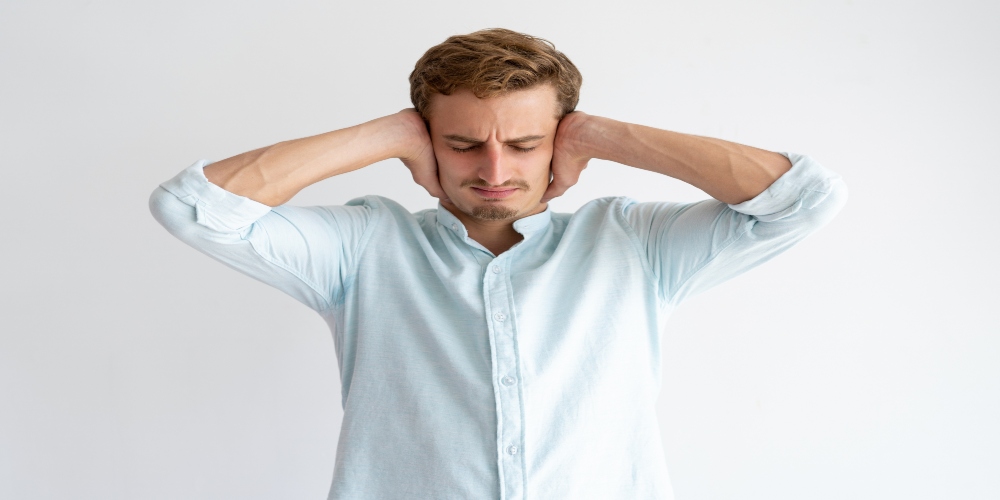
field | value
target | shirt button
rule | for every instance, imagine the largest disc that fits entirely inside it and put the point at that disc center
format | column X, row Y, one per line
column 512, row 450
column 499, row 317
column 497, row 269
column 454, row 227
column 508, row 380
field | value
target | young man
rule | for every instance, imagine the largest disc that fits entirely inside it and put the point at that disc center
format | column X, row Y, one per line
column 491, row 348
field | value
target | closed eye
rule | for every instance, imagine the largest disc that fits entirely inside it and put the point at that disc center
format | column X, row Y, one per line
column 477, row 146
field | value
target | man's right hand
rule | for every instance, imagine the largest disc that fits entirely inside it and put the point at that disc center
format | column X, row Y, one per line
column 418, row 153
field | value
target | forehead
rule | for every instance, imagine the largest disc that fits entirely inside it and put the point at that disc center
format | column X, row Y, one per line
column 527, row 112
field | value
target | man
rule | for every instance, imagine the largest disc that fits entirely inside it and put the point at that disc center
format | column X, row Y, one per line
column 492, row 348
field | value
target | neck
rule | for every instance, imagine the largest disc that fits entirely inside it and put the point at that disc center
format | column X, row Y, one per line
column 496, row 235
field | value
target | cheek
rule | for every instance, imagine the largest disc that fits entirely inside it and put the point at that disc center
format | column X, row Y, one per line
column 451, row 172
column 540, row 168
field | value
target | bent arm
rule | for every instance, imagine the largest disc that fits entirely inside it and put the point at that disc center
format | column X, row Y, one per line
column 765, row 202
column 234, row 210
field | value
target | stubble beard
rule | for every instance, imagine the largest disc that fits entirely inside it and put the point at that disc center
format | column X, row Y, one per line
column 493, row 212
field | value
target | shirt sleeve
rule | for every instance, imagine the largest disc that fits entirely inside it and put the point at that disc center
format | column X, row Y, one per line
column 307, row 252
column 692, row 247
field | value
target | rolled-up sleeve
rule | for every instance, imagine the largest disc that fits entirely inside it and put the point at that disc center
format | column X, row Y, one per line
column 306, row 252
column 691, row 247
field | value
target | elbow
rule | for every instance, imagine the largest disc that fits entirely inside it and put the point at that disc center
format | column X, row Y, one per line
column 834, row 201
column 172, row 213
column 820, row 207
column 159, row 202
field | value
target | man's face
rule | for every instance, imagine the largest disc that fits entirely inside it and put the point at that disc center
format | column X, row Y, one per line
column 494, row 154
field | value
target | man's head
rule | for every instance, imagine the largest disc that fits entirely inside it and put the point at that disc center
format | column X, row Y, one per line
column 491, row 63
column 492, row 101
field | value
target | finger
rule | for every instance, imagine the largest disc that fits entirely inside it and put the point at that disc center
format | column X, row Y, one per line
column 424, row 170
column 429, row 182
column 428, row 179
column 560, row 183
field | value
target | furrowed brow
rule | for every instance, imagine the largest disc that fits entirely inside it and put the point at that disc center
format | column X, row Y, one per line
column 470, row 140
column 527, row 138
column 462, row 138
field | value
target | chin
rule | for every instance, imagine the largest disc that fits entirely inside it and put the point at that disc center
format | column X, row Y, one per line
column 493, row 212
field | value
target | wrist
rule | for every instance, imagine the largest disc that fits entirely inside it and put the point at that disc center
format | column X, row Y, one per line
column 600, row 137
column 407, row 134
column 574, row 137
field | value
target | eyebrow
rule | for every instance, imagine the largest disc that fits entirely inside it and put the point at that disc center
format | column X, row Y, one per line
column 470, row 140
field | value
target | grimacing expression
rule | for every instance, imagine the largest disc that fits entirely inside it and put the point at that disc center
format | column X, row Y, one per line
column 494, row 155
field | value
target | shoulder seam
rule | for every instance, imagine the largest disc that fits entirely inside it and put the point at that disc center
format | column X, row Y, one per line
column 618, row 206
column 374, row 204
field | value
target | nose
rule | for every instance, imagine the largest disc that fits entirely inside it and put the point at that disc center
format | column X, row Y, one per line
column 494, row 169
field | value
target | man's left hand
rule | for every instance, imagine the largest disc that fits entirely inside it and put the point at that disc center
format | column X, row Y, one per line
column 569, row 155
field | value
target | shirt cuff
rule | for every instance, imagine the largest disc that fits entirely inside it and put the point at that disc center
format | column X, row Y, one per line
column 215, row 208
column 786, row 195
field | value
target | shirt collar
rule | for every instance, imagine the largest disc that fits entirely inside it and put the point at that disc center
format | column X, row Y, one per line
column 527, row 226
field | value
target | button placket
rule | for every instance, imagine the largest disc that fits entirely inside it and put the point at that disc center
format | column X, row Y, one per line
column 509, row 424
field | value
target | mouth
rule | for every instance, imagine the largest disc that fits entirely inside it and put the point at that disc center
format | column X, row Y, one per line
column 494, row 193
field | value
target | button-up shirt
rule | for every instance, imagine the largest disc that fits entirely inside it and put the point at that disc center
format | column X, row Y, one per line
column 529, row 374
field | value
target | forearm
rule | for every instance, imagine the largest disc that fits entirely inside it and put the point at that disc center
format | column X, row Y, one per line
column 274, row 174
column 727, row 171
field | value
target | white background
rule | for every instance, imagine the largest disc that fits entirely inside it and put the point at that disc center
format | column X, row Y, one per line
column 862, row 364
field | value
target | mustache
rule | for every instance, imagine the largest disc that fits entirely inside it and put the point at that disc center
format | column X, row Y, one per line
column 513, row 183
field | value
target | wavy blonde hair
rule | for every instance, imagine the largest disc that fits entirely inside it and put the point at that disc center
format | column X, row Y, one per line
column 493, row 62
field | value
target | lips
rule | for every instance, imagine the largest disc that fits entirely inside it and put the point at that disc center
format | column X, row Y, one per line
column 494, row 193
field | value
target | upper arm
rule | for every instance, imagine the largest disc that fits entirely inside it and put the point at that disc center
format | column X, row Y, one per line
column 694, row 246
column 307, row 252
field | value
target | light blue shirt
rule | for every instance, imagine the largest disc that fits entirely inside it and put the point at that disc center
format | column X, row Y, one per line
column 532, row 374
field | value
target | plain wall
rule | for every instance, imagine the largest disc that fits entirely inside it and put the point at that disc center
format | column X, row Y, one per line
column 861, row 364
